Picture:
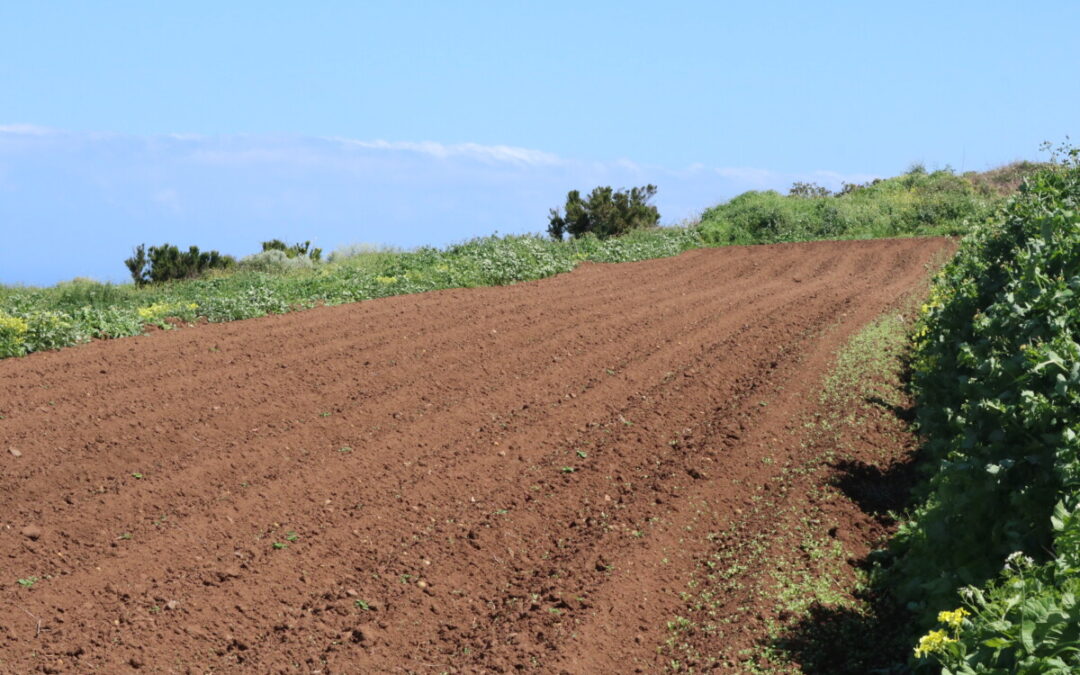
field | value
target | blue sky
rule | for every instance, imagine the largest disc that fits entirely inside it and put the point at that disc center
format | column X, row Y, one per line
column 410, row 123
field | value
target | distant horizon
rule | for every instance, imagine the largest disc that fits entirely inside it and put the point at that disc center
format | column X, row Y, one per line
column 223, row 125
column 229, row 193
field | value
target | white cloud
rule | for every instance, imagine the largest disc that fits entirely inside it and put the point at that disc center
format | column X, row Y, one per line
column 487, row 153
column 26, row 130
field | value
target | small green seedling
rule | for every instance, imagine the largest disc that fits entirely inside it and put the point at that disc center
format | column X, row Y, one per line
column 324, row 414
column 125, row 536
column 568, row 469
column 292, row 536
column 28, row 582
column 278, row 545
column 345, row 449
column 363, row 605
column 582, row 454
column 136, row 475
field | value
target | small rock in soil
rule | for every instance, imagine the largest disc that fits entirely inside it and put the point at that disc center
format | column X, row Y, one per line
column 32, row 532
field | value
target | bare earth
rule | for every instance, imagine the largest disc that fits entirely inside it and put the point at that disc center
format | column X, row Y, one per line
column 482, row 480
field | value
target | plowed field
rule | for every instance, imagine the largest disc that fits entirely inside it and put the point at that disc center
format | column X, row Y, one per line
column 460, row 481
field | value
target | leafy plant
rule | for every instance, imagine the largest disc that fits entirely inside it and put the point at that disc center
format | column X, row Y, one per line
column 136, row 265
column 915, row 203
column 997, row 375
column 604, row 213
column 167, row 262
column 12, row 336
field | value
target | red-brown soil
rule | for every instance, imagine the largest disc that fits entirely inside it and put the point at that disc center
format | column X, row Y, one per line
column 482, row 480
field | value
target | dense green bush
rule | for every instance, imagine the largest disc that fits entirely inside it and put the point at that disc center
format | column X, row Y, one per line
column 997, row 375
column 167, row 263
column 604, row 213
column 916, row 203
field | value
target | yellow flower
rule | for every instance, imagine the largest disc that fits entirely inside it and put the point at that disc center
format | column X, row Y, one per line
column 160, row 310
column 152, row 311
column 13, row 326
column 954, row 618
column 932, row 642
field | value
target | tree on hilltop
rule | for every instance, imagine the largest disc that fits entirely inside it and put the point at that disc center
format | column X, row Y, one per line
column 604, row 213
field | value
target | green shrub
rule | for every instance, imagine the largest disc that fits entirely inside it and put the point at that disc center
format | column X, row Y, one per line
column 604, row 213
column 136, row 265
column 168, row 263
column 916, row 203
column 12, row 336
column 52, row 330
column 997, row 376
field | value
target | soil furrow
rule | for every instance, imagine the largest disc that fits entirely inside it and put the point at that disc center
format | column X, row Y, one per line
column 473, row 480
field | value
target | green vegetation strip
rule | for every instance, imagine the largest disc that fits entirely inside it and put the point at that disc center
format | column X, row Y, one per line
column 284, row 278
column 34, row 319
column 990, row 557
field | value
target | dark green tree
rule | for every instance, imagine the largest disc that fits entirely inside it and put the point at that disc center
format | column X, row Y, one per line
column 167, row 262
column 604, row 213
column 136, row 264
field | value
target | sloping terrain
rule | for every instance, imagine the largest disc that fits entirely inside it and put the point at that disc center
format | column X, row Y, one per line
column 493, row 479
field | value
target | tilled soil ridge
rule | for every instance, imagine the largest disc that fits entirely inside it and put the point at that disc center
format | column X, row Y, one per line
column 481, row 480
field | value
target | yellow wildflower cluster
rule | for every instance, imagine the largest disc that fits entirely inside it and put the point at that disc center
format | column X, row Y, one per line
column 160, row 310
column 12, row 335
column 953, row 619
column 938, row 296
column 932, row 642
column 386, row 280
column 936, row 640
column 12, row 326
